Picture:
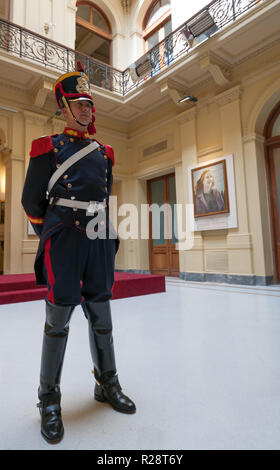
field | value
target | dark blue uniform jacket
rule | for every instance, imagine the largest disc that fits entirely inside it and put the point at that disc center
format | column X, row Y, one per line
column 90, row 179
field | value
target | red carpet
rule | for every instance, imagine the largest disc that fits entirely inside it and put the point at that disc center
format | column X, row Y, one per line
column 22, row 287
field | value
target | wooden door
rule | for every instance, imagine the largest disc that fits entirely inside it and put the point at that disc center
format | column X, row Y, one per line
column 164, row 258
column 272, row 133
column 274, row 167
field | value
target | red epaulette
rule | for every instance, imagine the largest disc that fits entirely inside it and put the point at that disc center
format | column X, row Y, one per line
column 41, row 146
column 109, row 151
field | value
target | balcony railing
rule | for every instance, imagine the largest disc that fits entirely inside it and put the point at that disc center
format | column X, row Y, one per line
column 21, row 42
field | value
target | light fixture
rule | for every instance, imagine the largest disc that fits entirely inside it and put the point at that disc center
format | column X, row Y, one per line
column 187, row 98
column 47, row 27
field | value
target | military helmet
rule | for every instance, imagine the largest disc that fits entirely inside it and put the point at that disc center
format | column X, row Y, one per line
column 73, row 86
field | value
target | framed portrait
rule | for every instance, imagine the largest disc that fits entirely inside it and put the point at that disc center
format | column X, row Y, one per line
column 210, row 189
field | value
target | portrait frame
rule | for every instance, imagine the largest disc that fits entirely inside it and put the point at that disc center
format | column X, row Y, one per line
column 219, row 194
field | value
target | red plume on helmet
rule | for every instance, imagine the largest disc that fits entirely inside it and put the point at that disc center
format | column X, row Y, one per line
column 80, row 67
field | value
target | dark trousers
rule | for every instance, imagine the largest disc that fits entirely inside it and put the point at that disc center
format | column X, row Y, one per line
column 78, row 270
column 76, row 266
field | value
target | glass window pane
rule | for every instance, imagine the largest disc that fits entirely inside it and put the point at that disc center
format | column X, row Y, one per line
column 93, row 45
column 276, row 127
column 167, row 28
column 152, row 40
column 172, row 201
column 158, row 10
column 83, row 11
column 98, row 20
column 276, row 157
column 157, row 190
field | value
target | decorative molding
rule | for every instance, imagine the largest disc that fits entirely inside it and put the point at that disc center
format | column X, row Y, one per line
column 29, row 246
column 239, row 241
column 57, row 125
column 217, row 67
column 137, row 33
column 175, row 91
column 34, row 118
column 188, row 115
column 41, row 90
column 228, row 96
column 209, row 150
column 156, row 170
column 257, row 52
column 253, row 138
column 71, row 5
column 126, row 4
column 5, row 84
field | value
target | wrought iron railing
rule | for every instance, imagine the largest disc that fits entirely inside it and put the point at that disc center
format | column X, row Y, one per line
column 34, row 47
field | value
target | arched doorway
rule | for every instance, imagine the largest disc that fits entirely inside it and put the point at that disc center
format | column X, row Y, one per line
column 272, row 143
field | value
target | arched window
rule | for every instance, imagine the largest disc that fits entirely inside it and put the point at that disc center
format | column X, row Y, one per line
column 93, row 32
column 157, row 23
column 4, row 9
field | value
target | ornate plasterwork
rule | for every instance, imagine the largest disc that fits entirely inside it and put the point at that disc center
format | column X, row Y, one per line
column 71, row 4
column 228, row 96
column 217, row 67
column 41, row 91
column 126, row 4
column 174, row 90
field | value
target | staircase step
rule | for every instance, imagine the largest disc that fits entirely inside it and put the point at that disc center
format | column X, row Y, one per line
column 22, row 287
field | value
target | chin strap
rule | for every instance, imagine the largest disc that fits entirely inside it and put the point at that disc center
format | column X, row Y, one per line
column 69, row 110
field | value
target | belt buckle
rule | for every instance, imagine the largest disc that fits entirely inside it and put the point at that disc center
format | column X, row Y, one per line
column 92, row 208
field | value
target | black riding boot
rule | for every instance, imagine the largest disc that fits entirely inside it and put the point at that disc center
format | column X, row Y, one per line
column 107, row 386
column 53, row 350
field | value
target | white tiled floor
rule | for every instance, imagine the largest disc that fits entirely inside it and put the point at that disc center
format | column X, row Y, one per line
column 201, row 361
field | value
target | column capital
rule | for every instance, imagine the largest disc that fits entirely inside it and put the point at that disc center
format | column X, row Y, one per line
column 71, row 5
column 34, row 118
column 189, row 115
column 255, row 137
column 228, row 96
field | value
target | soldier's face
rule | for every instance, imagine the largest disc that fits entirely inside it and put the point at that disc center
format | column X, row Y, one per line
column 82, row 111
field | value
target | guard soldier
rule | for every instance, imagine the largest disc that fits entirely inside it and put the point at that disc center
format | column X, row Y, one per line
column 67, row 185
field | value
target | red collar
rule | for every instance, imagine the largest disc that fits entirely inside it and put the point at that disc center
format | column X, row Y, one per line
column 74, row 133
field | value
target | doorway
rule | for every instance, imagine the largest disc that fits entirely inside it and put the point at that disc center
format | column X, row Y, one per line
column 164, row 258
column 272, row 133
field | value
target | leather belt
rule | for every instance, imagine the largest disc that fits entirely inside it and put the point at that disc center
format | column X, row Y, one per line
column 91, row 206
